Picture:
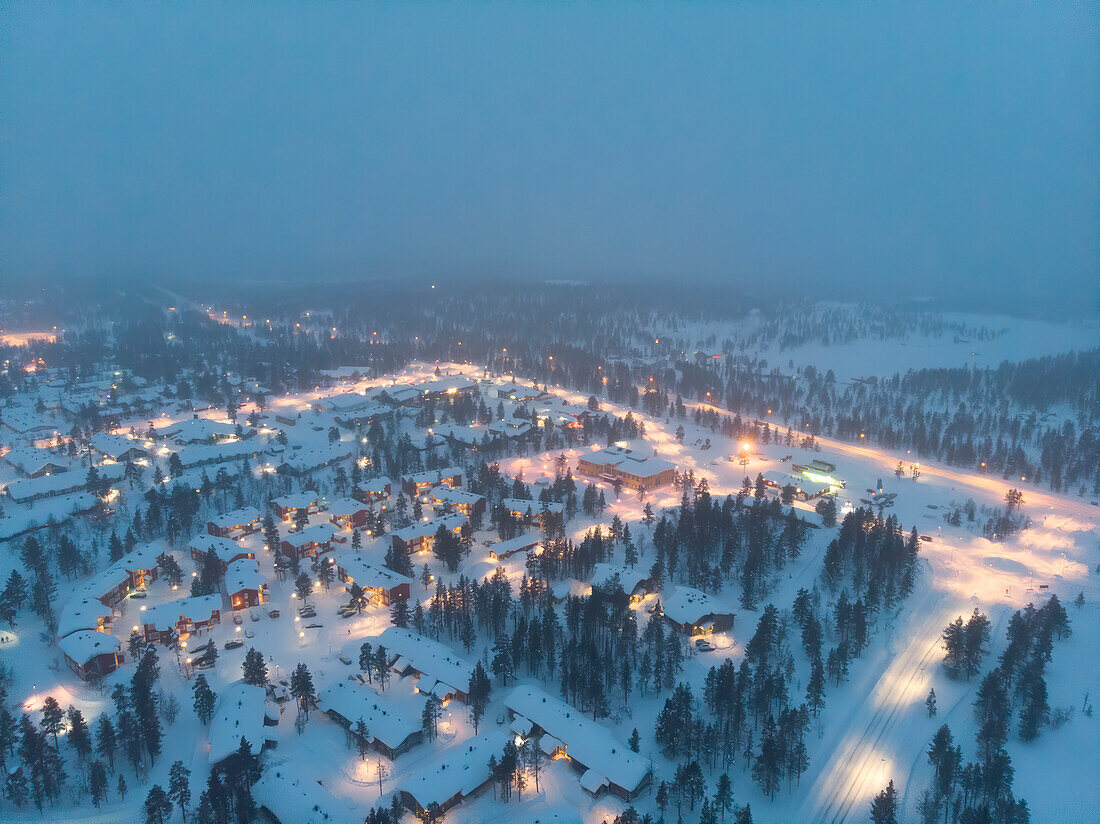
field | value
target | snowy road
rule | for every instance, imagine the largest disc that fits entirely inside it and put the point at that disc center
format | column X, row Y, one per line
column 862, row 761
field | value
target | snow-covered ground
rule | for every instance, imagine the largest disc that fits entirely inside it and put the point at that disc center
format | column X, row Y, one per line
column 874, row 727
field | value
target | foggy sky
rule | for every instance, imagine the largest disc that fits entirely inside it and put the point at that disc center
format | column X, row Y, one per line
column 846, row 150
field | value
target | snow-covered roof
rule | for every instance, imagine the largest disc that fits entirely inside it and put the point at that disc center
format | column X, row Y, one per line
column 523, row 506
column 376, row 486
column 29, row 460
column 82, row 613
column 318, row 533
column 433, row 476
column 431, row 659
column 309, row 458
column 460, row 769
column 346, row 507
column 197, row 429
column 447, row 495
column 361, row 571
column 296, row 500
column 424, row 529
column 516, row 544
column 295, row 801
column 25, row 489
column 238, row 517
column 197, row 454
column 167, row 615
column 85, row 644
column 205, row 542
column 628, row 578
column 112, row 445
column 688, row 606
column 388, row 721
column 244, row 573
column 586, row 741
column 239, row 713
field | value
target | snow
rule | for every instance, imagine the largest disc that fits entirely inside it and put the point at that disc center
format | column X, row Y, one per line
column 433, row 660
column 586, row 742
column 84, row 644
column 459, row 770
column 240, row 712
column 392, row 722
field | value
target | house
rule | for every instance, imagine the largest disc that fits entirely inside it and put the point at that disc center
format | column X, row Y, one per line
column 454, row 775
column 288, row 506
column 605, row 763
column 418, row 483
column 373, row 490
column 85, row 612
column 310, row 542
column 457, row 500
column 693, row 612
column 34, row 463
column 116, row 447
column 284, row 797
column 91, row 654
column 298, row 462
column 438, row 670
column 28, row 490
column 520, row 543
column 348, row 513
column 198, row 431
column 420, row 537
column 394, row 726
column 635, row 582
column 245, row 585
column 227, row 551
column 195, row 455
column 379, row 582
column 531, row 512
column 628, row 465
column 135, row 570
column 242, row 711
column 235, row 524
column 184, row 616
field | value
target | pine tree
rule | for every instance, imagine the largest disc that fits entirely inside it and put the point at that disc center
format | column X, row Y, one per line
column 884, row 806
column 478, row 694
column 97, row 783
column 362, row 738
column 179, row 787
column 301, row 687
column 79, row 737
column 106, row 740
column 635, row 740
column 158, row 806
column 53, row 718
column 255, row 668
column 122, row 786
column 930, row 703
column 723, row 796
column 204, row 699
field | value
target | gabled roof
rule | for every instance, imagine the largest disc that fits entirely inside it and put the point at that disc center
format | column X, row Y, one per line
column 585, row 740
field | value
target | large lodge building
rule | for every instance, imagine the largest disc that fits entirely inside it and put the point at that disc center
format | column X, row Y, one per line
column 621, row 462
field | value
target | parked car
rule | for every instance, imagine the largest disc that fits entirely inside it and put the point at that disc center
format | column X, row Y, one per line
column 236, row 618
column 234, row 643
column 314, row 626
column 703, row 645
column 345, row 660
column 255, row 616
column 139, row 593
column 249, row 634
column 273, row 613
